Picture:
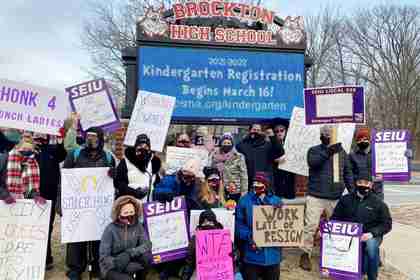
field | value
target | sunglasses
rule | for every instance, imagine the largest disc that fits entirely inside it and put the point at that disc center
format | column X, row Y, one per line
column 214, row 181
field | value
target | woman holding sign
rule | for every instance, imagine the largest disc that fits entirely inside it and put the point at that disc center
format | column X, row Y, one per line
column 211, row 193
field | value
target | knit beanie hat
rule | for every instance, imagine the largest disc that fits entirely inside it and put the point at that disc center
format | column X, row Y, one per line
column 208, row 215
column 211, row 172
column 226, row 136
column 362, row 133
column 261, row 177
column 142, row 139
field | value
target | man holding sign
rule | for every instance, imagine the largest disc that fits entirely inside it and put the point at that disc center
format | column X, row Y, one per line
column 366, row 208
column 323, row 192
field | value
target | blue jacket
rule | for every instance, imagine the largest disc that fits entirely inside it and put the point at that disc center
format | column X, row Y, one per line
column 172, row 185
column 263, row 256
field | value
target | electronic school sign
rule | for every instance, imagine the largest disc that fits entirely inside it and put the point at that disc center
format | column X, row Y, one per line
column 224, row 62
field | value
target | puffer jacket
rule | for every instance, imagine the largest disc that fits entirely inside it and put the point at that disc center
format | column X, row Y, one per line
column 244, row 215
column 321, row 182
column 233, row 171
column 361, row 163
column 118, row 239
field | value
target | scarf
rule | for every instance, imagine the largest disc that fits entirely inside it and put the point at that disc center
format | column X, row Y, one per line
column 22, row 174
column 220, row 158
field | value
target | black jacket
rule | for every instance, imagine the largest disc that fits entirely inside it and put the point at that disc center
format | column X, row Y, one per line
column 321, row 182
column 49, row 158
column 121, row 179
column 283, row 181
column 258, row 157
column 370, row 211
column 361, row 163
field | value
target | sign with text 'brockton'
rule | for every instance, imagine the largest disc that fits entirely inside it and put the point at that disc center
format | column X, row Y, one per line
column 33, row 108
column 223, row 85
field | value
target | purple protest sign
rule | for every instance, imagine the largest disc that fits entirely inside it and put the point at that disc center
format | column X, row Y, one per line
column 92, row 101
column 389, row 155
column 341, row 250
column 166, row 227
column 345, row 104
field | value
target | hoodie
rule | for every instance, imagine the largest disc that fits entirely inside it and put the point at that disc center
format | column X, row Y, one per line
column 118, row 240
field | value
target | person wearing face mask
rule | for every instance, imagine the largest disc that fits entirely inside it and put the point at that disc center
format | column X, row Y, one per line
column 183, row 141
column 366, row 208
column 232, row 167
column 323, row 193
column 211, row 193
column 258, row 152
column 137, row 173
column 361, row 161
column 124, row 251
column 257, row 262
column 91, row 155
column 7, row 143
column 49, row 156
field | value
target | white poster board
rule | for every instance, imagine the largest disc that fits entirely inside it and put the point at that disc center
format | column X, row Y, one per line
column 224, row 216
column 177, row 157
column 151, row 115
column 33, row 108
column 390, row 157
column 301, row 137
column 87, row 195
column 23, row 239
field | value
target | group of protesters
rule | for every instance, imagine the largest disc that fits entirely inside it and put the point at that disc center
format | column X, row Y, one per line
column 238, row 176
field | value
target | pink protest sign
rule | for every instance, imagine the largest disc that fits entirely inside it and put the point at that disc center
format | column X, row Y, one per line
column 213, row 253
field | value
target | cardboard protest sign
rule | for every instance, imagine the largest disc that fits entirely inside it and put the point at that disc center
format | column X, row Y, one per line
column 341, row 250
column 301, row 137
column 87, row 195
column 213, row 250
column 388, row 155
column 33, row 108
column 345, row 104
column 152, row 116
column 166, row 227
column 24, row 237
column 92, row 101
column 177, row 157
column 278, row 227
column 224, row 216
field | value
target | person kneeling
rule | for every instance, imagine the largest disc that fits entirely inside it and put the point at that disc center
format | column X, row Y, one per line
column 124, row 250
column 366, row 208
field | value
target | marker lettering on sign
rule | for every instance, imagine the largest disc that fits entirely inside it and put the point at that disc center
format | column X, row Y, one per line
column 22, row 97
column 86, row 88
column 160, row 208
column 389, row 136
column 341, row 228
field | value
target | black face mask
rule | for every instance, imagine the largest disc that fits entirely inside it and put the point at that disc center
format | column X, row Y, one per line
column 226, row 148
column 127, row 220
column 325, row 140
column 80, row 140
column 362, row 190
column 363, row 145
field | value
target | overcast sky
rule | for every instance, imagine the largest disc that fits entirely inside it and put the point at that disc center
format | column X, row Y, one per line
column 40, row 39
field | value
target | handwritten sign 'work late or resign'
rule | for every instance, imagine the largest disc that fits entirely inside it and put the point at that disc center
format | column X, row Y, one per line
column 92, row 100
column 166, row 227
column 341, row 255
column 33, row 108
column 151, row 115
column 345, row 104
column 86, row 200
column 278, row 227
column 213, row 255
column 389, row 155
column 23, row 239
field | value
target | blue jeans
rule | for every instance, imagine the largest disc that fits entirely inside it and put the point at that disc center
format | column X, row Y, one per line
column 371, row 257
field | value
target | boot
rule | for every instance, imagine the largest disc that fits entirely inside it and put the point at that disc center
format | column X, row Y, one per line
column 305, row 262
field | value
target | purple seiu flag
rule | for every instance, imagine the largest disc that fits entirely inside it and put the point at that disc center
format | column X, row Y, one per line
column 93, row 102
column 389, row 155
column 341, row 250
column 166, row 225
column 345, row 104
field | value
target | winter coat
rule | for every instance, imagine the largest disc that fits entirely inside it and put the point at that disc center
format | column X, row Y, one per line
column 118, row 239
column 49, row 158
column 370, row 211
column 171, row 185
column 361, row 163
column 244, row 215
column 233, row 170
column 4, row 193
column 321, row 182
column 283, row 181
column 258, row 157
column 129, row 177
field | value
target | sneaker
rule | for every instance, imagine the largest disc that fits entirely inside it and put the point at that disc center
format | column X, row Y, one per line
column 305, row 262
